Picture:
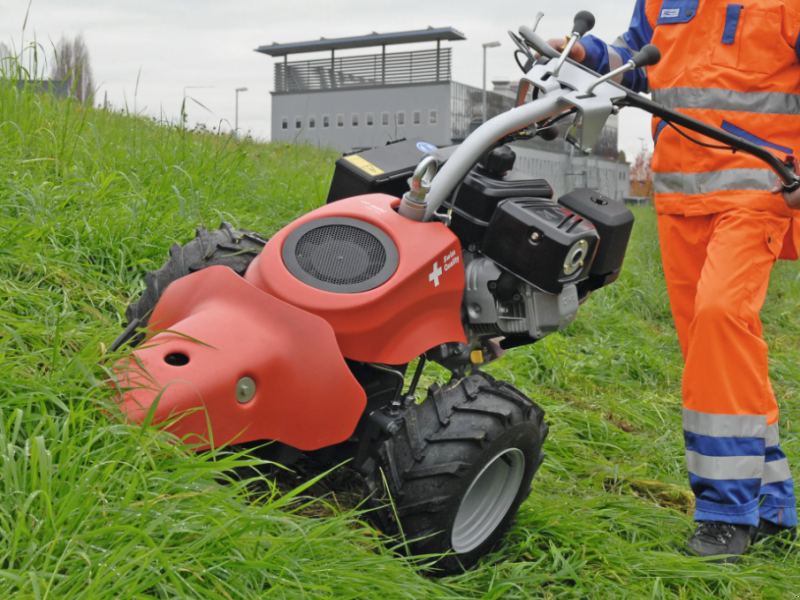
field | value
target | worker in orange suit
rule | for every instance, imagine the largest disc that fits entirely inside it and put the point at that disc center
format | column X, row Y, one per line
column 723, row 223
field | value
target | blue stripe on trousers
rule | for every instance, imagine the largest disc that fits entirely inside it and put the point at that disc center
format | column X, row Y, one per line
column 723, row 446
column 777, row 499
column 726, row 500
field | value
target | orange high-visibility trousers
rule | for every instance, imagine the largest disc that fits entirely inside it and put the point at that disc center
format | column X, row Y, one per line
column 717, row 269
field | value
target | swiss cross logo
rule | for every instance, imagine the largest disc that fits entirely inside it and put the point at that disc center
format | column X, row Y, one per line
column 437, row 272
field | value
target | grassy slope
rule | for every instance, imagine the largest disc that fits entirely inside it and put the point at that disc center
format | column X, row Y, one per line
column 89, row 201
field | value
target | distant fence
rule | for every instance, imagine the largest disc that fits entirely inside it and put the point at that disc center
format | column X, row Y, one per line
column 466, row 105
column 423, row 66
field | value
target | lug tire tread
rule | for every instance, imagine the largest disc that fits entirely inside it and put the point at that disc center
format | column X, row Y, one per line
column 226, row 246
column 432, row 459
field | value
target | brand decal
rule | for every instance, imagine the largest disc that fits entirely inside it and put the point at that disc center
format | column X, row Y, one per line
column 426, row 147
column 434, row 277
column 373, row 208
column 670, row 13
column 449, row 260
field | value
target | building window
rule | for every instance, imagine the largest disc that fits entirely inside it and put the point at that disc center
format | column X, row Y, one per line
column 385, row 119
column 312, row 122
column 326, row 122
column 370, row 120
column 401, row 117
column 355, row 119
column 339, row 121
column 298, row 122
column 417, row 117
column 285, row 123
column 433, row 117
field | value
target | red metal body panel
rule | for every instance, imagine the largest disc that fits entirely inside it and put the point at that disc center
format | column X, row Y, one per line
column 418, row 308
column 305, row 396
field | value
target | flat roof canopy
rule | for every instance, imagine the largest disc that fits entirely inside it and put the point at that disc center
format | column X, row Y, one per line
column 365, row 41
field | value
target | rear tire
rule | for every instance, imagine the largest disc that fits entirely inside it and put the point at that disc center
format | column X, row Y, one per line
column 230, row 247
column 455, row 473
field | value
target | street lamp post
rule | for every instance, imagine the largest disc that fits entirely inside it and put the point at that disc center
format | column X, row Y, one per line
column 236, row 129
column 485, row 46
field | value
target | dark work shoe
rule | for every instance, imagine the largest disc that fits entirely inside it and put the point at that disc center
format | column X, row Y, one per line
column 724, row 540
column 783, row 536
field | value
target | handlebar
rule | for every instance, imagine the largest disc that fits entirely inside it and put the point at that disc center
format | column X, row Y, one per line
column 577, row 88
column 787, row 174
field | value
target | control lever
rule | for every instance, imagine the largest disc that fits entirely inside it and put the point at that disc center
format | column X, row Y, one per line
column 584, row 23
column 646, row 57
column 539, row 17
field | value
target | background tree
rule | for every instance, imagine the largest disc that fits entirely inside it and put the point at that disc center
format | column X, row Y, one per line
column 72, row 65
column 642, row 175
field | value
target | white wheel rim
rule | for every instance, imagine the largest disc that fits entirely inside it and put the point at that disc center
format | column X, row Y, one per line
column 488, row 500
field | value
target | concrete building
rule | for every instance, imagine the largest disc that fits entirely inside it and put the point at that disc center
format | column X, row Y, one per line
column 358, row 102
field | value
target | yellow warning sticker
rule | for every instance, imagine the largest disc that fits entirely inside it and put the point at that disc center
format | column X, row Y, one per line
column 364, row 165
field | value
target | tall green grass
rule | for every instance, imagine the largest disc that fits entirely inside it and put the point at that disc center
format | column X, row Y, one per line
column 91, row 508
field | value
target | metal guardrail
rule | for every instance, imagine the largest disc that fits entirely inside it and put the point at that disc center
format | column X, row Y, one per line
column 399, row 68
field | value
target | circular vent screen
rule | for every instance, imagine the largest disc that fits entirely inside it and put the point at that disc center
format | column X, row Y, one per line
column 340, row 255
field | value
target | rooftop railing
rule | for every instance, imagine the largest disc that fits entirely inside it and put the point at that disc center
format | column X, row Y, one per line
column 399, row 68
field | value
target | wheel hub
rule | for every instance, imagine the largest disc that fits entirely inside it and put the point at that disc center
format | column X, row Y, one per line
column 488, row 500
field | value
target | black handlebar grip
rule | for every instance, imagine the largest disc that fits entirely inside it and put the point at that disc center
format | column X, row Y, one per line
column 584, row 23
column 647, row 57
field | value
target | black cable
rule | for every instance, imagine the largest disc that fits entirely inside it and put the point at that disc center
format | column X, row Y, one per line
column 698, row 142
column 528, row 64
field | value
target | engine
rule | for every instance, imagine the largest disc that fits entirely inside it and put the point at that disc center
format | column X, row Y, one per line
column 530, row 261
column 499, row 304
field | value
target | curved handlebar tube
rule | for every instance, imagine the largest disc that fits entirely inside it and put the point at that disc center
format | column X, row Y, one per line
column 787, row 175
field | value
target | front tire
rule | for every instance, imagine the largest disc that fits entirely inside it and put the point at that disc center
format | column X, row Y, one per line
column 227, row 246
column 454, row 474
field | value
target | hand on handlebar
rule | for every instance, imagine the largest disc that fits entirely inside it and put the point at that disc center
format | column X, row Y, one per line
column 578, row 53
column 792, row 199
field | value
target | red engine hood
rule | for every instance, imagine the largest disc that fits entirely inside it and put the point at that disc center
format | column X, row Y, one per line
column 305, row 394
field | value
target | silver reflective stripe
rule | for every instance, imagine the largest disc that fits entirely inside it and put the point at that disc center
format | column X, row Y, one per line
column 621, row 43
column 768, row 103
column 692, row 184
column 614, row 61
column 776, row 471
column 773, row 436
column 752, row 426
column 725, row 467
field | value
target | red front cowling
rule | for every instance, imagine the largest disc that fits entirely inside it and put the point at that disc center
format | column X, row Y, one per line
column 227, row 329
column 418, row 308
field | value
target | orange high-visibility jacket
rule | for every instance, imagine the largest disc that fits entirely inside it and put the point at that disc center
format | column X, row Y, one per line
column 734, row 66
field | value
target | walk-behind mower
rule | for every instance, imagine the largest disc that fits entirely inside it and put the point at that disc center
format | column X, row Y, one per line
column 304, row 340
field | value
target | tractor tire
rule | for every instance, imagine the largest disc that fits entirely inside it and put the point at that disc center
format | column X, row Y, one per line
column 451, row 478
column 227, row 246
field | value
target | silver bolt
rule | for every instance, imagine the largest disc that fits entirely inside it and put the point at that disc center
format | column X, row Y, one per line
column 245, row 390
column 535, row 236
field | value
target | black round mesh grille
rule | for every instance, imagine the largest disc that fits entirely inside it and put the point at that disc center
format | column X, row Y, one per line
column 340, row 254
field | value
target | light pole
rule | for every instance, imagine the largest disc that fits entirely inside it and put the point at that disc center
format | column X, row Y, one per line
column 236, row 129
column 485, row 46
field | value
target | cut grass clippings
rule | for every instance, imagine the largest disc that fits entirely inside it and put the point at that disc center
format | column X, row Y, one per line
column 90, row 200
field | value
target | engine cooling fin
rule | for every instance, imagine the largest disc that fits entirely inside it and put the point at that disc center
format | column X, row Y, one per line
column 339, row 254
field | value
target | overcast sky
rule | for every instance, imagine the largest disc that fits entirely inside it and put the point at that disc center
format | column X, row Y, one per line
column 179, row 43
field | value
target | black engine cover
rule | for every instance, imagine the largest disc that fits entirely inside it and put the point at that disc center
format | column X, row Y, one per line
column 614, row 222
column 541, row 242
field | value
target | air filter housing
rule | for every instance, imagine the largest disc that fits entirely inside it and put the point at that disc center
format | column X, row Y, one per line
column 339, row 254
column 541, row 242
